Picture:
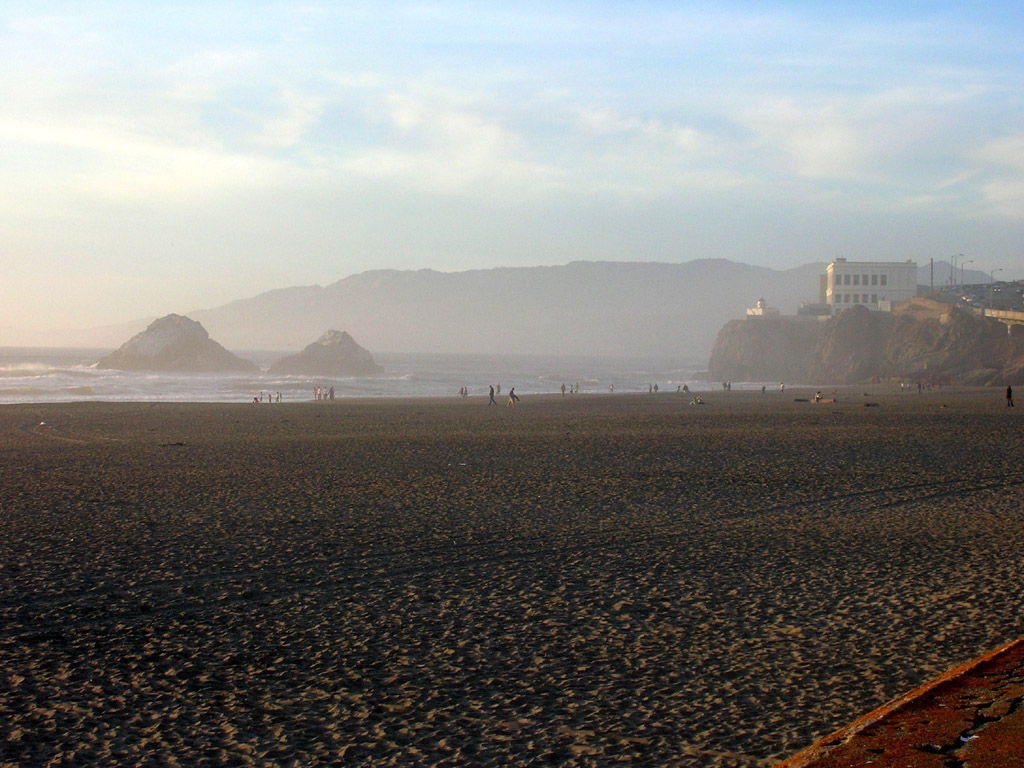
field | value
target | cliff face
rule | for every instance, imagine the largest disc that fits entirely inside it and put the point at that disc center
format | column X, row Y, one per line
column 333, row 354
column 857, row 345
column 763, row 349
column 174, row 343
column 851, row 348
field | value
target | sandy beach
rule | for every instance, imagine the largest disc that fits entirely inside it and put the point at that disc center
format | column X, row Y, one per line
column 589, row 580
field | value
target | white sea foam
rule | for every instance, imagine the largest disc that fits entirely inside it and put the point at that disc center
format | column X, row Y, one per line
column 59, row 375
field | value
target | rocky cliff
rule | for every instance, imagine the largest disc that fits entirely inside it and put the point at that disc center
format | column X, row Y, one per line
column 174, row 343
column 858, row 345
column 763, row 349
column 333, row 354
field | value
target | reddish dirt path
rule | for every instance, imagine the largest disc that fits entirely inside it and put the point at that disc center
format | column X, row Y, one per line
column 969, row 717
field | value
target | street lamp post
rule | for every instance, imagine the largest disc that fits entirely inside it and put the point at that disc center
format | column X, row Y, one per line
column 952, row 271
column 962, row 264
column 991, row 284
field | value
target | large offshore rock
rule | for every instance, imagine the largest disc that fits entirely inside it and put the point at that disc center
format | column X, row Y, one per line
column 333, row 354
column 176, row 344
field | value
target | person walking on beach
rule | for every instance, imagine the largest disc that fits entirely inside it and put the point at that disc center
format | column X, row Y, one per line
column 491, row 401
column 1009, row 396
column 513, row 398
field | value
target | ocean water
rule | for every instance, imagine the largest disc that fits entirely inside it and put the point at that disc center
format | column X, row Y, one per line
column 30, row 375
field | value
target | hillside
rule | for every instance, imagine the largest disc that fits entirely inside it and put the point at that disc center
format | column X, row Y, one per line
column 585, row 308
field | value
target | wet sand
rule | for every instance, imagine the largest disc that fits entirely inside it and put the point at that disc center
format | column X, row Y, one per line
column 591, row 580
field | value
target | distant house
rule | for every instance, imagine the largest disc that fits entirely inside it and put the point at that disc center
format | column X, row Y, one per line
column 874, row 284
column 762, row 310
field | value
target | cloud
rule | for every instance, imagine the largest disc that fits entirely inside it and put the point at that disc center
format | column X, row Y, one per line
column 814, row 142
column 652, row 132
column 1004, row 198
column 46, row 25
column 1003, row 192
column 441, row 145
column 1005, row 153
column 103, row 162
column 288, row 130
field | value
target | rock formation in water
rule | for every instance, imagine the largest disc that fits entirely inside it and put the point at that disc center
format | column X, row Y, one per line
column 333, row 354
column 919, row 340
column 176, row 344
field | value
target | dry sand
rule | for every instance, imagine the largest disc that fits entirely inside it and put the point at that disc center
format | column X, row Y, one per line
column 580, row 581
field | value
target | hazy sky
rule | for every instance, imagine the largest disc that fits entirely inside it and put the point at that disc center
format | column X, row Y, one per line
column 165, row 157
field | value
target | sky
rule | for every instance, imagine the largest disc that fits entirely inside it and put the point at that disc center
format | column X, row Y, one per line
column 174, row 156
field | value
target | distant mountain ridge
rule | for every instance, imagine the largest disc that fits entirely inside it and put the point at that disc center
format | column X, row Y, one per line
column 580, row 308
column 585, row 308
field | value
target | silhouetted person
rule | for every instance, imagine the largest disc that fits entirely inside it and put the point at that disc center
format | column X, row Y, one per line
column 513, row 398
column 1009, row 397
column 491, row 401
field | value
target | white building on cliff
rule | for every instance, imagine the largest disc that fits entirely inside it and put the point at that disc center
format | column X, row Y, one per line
column 762, row 310
column 875, row 284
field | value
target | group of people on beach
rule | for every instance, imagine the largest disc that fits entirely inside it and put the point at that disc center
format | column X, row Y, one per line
column 322, row 393
column 513, row 398
column 267, row 397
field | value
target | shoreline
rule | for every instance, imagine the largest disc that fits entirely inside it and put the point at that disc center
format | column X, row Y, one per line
column 848, row 392
column 422, row 581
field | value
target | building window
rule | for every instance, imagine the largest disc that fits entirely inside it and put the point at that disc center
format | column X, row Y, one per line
column 846, row 298
column 864, row 299
column 865, row 279
column 846, row 279
column 856, row 279
column 874, row 279
column 885, row 278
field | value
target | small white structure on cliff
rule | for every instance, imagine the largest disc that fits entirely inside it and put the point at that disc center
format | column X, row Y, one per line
column 875, row 284
column 761, row 310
